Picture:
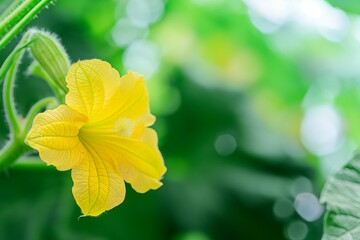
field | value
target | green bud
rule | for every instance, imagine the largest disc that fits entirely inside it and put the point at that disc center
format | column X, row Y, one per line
column 51, row 56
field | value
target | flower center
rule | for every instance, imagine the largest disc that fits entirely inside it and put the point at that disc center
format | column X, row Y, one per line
column 124, row 127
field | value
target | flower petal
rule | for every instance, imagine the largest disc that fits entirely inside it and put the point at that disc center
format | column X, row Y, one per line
column 91, row 84
column 132, row 99
column 97, row 91
column 54, row 134
column 97, row 186
column 139, row 162
column 139, row 180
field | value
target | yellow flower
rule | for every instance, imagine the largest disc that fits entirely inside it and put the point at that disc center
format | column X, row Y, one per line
column 101, row 134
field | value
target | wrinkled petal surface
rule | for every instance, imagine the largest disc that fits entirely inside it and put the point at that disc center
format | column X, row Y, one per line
column 55, row 135
column 91, row 83
column 97, row 91
column 139, row 162
column 97, row 186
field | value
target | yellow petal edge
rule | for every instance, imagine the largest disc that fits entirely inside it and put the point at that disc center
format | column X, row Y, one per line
column 102, row 134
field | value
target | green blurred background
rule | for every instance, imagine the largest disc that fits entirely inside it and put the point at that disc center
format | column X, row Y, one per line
column 257, row 103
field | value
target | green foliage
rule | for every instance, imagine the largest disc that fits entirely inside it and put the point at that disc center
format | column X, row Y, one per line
column 350, row 6
column 341, row 195
column 219, row 75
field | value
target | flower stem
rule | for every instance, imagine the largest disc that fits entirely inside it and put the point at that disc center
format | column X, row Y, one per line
column 29, row 163
column 15, row 4
column 8, row 92
column 19, row 18
column 37, row 70
column 16, row 146
column 10, row 59
column 12, row 151
column 34, row 110
column 14, row 15
column 9, row 104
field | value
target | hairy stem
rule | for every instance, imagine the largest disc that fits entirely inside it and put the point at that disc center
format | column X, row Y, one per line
column 14, row 5
column 34, row 110
column 10, row 59
column 37, row 70
column 19, row 18
column 16, row 146
column 9, row 104
column 8, row 93
column 15, row 14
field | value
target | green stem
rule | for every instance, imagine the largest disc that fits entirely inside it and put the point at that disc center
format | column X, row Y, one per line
column 16, row 14
column 27, row 162
column 12, row 151
column 10, row 59
column 16, row 146
column 40, row 72
column 8, row 92
column 15, row 4
column 34, row 110
column 9, row 104
column 13, row 24
column 59, row 93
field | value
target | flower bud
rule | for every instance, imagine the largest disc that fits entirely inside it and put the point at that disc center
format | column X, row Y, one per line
column 51, row 56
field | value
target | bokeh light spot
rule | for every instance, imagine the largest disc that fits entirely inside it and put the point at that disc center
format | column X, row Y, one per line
column 283, row 208
column 142, row 56
column 125, row 32
column 299, row 185
column 321, row 130
column 225, row 144
column 297, row 230
column 308, row 206
column 144, row 12
column 193, row 236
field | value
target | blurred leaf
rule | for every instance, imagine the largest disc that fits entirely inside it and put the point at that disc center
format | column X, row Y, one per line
column 351, row 6
column 341, row 194
column 348, row 97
